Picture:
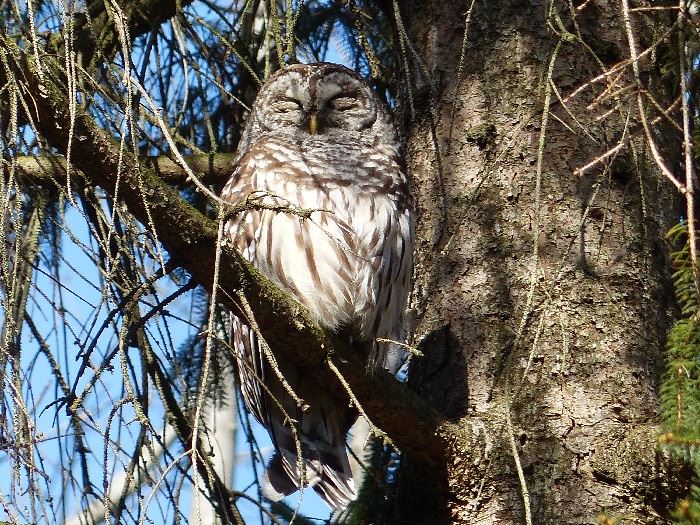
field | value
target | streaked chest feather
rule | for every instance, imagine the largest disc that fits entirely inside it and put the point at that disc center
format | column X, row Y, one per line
column 327, row 259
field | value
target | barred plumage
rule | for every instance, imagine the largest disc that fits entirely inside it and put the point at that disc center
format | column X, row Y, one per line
column 319, row 138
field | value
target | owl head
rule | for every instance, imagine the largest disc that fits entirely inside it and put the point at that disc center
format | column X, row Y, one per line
column 325, row 101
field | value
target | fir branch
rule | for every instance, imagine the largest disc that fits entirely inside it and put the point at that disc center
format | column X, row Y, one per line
column 680, row 387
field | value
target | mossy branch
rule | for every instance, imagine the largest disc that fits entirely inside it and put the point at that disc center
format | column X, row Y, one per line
column 208, row 168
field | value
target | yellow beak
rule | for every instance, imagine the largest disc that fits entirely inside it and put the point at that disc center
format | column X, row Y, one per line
column 313, row 124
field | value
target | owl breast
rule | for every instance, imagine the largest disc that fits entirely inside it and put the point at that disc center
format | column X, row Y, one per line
column 342, row 259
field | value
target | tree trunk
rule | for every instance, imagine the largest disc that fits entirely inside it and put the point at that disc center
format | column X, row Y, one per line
column 542, row 293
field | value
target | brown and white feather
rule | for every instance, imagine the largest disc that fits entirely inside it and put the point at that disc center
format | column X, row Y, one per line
column 349, row 263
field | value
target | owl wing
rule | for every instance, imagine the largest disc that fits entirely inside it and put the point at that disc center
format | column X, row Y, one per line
column 383, row 226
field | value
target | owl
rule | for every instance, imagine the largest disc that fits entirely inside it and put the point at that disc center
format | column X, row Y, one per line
column 318, row 138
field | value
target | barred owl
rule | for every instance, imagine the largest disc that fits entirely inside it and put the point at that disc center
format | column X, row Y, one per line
column 319, row 138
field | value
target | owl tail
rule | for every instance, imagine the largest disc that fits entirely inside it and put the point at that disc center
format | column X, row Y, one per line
column 326, row 468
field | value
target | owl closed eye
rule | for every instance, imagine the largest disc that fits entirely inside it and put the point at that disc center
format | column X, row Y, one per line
column 342, row 103
column 288, row 105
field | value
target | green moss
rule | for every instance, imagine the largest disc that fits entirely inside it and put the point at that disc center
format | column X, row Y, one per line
column 481, row 134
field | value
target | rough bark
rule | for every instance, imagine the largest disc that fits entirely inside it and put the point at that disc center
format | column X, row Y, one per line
column 567, row 342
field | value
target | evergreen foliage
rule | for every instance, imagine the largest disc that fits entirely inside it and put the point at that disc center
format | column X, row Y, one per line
column 680, row 389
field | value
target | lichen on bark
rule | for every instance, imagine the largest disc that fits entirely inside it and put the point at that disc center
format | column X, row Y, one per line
column 551, row 285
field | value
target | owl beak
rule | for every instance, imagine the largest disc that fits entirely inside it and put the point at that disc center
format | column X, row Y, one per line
column 313, row 124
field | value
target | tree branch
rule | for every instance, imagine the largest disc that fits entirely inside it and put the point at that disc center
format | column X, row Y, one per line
column 96, row 39
column 208, row 168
